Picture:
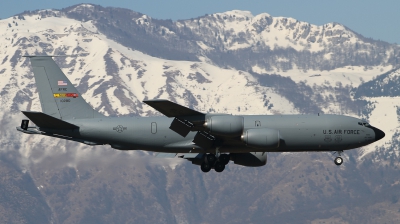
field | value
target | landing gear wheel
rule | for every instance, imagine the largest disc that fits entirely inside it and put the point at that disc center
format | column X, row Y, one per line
column 219, row 167
column 338, row 160
column 211, row 158
column 205, row 167
column 224, row 159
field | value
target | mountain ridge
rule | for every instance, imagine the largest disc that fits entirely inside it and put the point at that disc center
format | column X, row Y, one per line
column 220, row 32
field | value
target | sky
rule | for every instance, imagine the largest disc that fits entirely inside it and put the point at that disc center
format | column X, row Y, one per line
column 377, row 19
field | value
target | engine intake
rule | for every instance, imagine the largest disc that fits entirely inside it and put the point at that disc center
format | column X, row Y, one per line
column 261, row 138
column 225, row 125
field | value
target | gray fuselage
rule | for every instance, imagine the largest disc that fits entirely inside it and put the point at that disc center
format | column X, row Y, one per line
column 297, row 133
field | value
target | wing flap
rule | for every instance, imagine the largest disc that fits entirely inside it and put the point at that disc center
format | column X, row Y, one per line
column 182, row 127
column 204, row 139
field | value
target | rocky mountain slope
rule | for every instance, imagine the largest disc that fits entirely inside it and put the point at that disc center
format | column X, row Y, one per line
column 230, row 62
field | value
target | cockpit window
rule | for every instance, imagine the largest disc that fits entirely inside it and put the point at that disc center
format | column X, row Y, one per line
column 364, row 124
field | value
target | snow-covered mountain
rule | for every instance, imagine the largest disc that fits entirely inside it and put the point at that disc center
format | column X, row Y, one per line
column 231, row 62
column 237, row 39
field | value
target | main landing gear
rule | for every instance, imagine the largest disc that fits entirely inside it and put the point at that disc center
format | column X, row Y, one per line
column 212, row 161
column 338, row 160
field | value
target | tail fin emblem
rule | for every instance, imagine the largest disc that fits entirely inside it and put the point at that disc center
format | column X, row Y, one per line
column 62, row 83
column 64, row 95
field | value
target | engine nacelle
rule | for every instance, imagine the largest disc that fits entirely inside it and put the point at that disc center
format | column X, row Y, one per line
column 226, row 125
column 261, row 138
column 252, row 159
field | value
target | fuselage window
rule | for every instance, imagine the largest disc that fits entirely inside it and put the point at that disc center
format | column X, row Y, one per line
column 258, row 124
column 153, row 127
column 364, row 124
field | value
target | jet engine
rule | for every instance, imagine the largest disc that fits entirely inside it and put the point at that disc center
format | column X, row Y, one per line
column 225, row 125
column 261, row 138
column 252, row 159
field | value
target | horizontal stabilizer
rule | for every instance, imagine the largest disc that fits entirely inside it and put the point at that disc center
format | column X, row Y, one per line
column 46, row 121
column 171, row 109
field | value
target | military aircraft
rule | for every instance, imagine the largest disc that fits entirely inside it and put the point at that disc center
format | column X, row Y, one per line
column 208, row 140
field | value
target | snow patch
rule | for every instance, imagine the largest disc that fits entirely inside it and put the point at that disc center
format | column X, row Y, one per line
column 384, row 117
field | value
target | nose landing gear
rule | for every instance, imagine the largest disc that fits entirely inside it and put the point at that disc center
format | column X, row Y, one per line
column 338, row 160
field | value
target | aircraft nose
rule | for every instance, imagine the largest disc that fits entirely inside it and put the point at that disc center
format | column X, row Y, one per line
column 378, row 133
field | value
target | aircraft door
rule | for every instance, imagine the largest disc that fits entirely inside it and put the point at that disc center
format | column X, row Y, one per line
column 153, row 127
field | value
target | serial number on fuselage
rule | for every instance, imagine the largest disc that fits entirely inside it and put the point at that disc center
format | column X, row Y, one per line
column 340, row 132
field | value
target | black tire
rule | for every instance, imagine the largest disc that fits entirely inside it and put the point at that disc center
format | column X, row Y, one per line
column 338, row 161
column 224, row 159
column 219, row 167
column 211, row 158
column 205, row 167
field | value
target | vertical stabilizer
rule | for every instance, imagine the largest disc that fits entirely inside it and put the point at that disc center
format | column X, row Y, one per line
column 58, row 97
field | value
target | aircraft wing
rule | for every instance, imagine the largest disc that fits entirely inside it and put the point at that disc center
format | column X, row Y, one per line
column 165, row 155
column 195, row 158
column 179, row 155
column 171, row 109
column 185, row 118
